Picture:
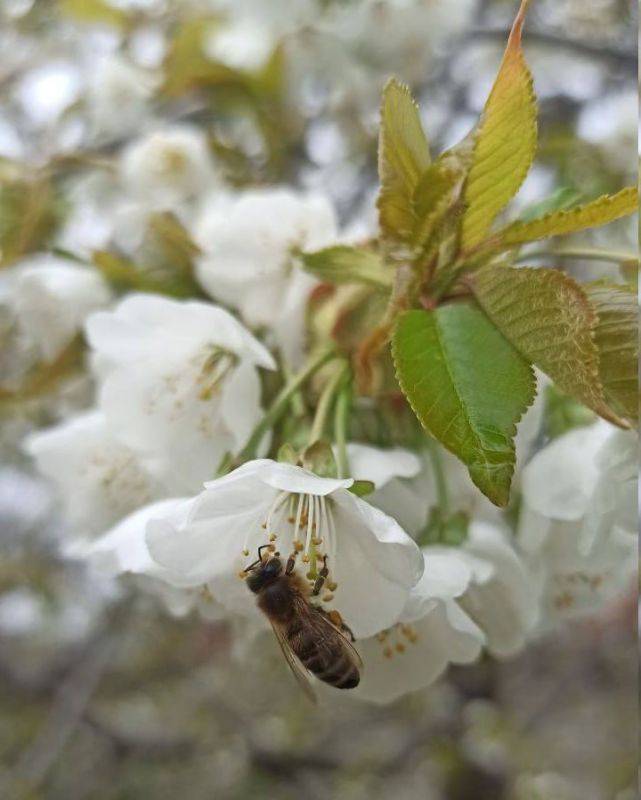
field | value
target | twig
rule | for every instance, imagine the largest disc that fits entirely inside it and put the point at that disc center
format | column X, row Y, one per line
column 67, row 710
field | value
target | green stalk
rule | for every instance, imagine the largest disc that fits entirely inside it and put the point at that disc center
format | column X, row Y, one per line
column 341, row 420
column 439, row 477
column 281, row 402
column 325, row 402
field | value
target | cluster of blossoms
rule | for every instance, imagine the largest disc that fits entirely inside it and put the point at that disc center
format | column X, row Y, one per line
column 200, row 445
column 179, row 388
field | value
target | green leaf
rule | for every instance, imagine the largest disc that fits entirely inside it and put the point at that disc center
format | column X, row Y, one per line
column 362, row 488
column 548, row 318
column 186, row 65
column 125, row 275
column 434, row 194
column 29, row 214
column 505, row 141
column 468, row 386
column 449, row 530
column 343, row 264
column 96, row 12
column 597, row 212
column 319, row 459
column 560, row 200
column 403, row 157
column 617, row 340
column 167, row 247
column 287, row 454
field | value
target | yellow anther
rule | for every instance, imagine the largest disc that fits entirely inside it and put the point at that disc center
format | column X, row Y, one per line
column 387, row 652
column 400, row 647
column 381, row 636
column 298, row 546
column 332, row 585
column 327, row 597
column 264, row 525
column 271, row 548
column 305, row 558
column 245, row 551
column 316, row 542
column 291, row 520
column 242, row 574
column 272, row 537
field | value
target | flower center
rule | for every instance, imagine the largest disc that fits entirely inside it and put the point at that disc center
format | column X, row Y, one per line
column 395, row 640
column 303, row 525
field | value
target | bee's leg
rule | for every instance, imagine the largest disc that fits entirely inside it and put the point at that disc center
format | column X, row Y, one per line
column 336, row 620
column 291, row 563
column 320, row 580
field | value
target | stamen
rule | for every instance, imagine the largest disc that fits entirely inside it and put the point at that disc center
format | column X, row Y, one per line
column 299, row 512
column 331, row 535
column 276, row 504
column 310, row 522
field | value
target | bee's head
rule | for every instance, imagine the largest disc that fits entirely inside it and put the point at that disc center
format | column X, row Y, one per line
column 263, row 573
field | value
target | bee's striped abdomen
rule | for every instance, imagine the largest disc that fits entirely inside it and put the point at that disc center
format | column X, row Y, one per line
column 329, row 662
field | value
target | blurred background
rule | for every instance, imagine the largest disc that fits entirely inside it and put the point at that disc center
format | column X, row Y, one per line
column 103, row 694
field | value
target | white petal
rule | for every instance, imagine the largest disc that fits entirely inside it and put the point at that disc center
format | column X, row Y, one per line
column 560, row 479
column 207, row 547
column 290, row 478
column 374, row 563
column 445, row 635
column 506, row 607
column 379, row 465
column 240, row 403
column 447, row 575
column 143, row 325
column 123, row 548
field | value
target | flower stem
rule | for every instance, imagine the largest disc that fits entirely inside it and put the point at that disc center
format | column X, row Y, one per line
column 281, row 401
column 587, row 254
column 341, row 419
column 439, row 476
column 325, row 402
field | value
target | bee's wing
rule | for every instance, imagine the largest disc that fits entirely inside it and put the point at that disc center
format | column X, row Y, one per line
column 353, row 652
column 300, row 673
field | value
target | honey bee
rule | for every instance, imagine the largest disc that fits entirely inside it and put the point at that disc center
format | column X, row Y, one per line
column 312, row 639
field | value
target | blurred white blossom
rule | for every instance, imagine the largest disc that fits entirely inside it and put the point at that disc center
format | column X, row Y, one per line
column 179, row 383
column 118, row 96
column 168, row 167
column 52, row 298
column 579, row 518
column 99, row 478
column 249, row 244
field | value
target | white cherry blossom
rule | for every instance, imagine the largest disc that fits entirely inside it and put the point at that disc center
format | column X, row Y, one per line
column 118, row 96
column 372, row 563
column 433, row 631
column 179, row 383
column 52, row 297
column 248, row 261
column 99, row 478
column 578, row 524
column 168, row 167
